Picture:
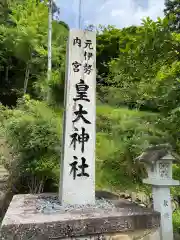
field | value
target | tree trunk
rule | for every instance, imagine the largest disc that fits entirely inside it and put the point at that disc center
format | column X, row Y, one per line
column 26, row 77
column 7, row 74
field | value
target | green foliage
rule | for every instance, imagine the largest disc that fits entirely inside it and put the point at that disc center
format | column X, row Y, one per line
column 107, row 49
column 3, row 11
column 172, row 11
column 176, row 221
column 32, row 130
column 143, row 53
column 23, row 48
column 124, row 134
column 56, row 84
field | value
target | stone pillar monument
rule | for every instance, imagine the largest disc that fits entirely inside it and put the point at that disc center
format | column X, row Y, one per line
column 74, row 213
column 78, row 158
column 158, row 160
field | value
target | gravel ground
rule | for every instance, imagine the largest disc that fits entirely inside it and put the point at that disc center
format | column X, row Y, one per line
column 52, row 205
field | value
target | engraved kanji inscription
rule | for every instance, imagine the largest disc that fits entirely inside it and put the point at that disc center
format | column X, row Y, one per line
column 80, row 115
column 78, row 170
column 87, row 68
column 77, row 41
column 88, row 44
column 81, row 89
column 79, row 138
column 88, row 55
column 165, row 203
column 76, row 66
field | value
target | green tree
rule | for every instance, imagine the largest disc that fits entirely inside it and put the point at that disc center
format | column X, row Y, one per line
column 107, row 49
column 172, row 11
column 143, row 53
column 3, row 11
column 23, row 48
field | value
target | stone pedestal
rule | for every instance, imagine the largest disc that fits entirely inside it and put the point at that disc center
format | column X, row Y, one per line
column 41, row 217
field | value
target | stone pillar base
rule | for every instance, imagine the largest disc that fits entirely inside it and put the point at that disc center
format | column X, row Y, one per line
column 41, row 217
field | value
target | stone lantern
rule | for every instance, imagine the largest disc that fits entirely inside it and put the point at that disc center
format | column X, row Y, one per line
column 158, row 161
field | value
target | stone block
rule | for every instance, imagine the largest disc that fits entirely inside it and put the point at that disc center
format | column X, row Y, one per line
column 41, row 217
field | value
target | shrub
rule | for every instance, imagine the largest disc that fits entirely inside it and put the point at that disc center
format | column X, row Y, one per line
column 122, row 135
column 33, row 130
column 176, row 221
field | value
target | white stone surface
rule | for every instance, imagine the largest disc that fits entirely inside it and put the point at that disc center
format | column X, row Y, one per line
column 160, row 182
column 80, row 190
column 162, row 204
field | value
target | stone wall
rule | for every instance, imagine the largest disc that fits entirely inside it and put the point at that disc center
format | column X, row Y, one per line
column 137, row 235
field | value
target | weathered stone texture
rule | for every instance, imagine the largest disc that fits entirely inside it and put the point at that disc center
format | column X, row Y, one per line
column 23, row 221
